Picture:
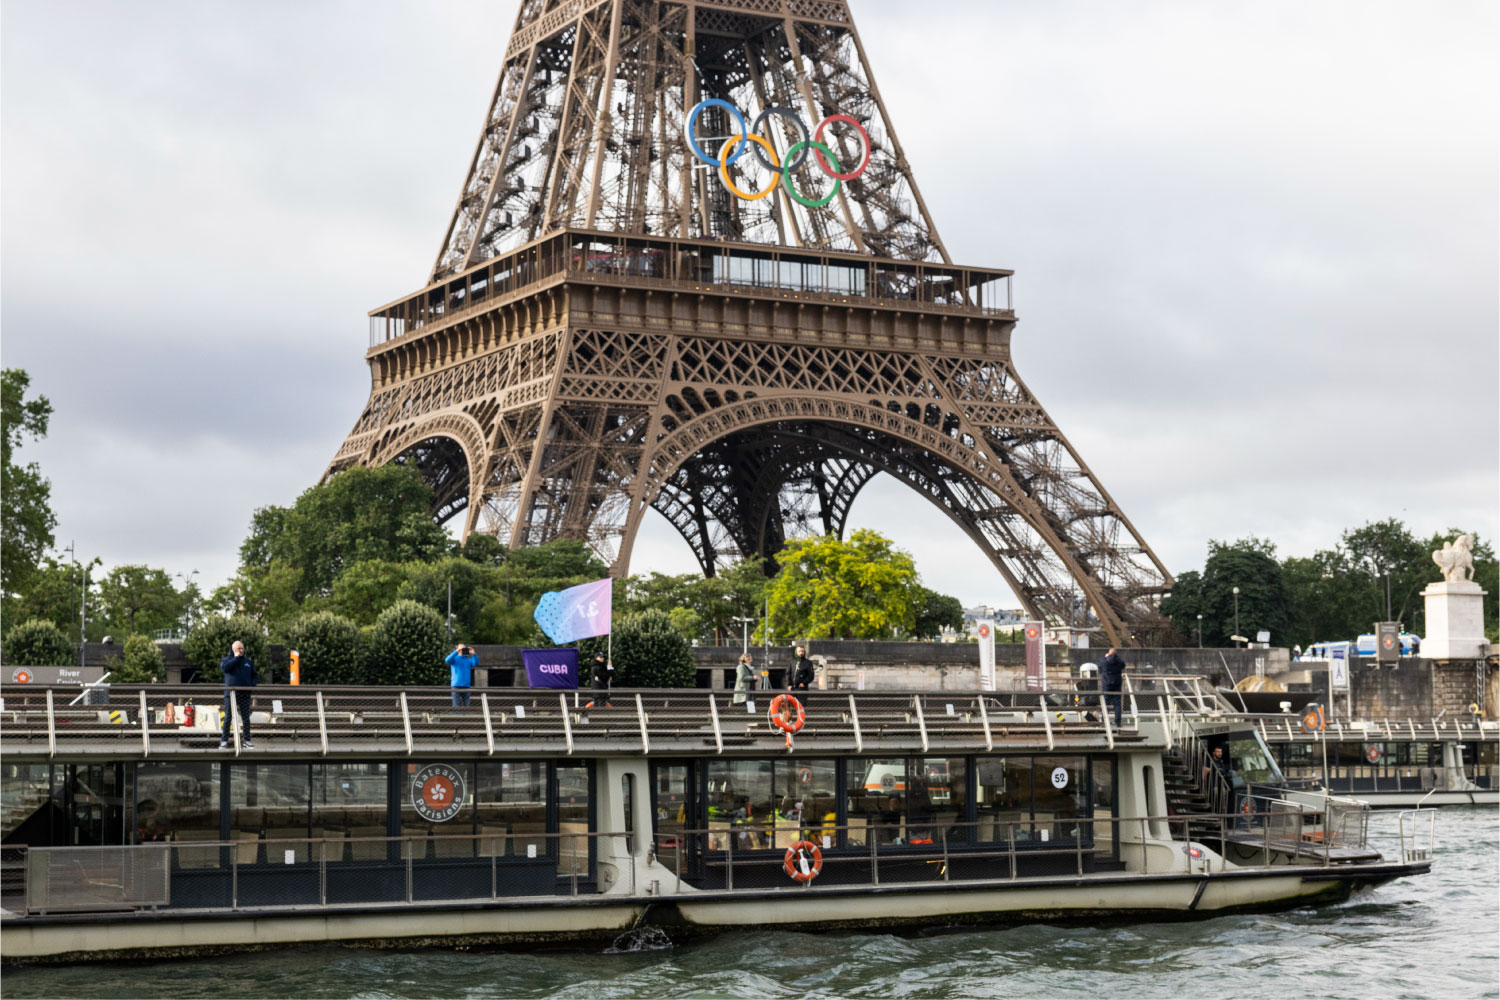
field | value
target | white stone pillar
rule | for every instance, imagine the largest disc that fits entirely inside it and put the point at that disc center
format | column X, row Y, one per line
column 1455, row 621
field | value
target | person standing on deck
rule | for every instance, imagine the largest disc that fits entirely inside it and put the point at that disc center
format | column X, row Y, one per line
column 461, row 664
column 239, row 676
column 800, row 675
column 600, row 675
column 744, row 676
column 1111, row 674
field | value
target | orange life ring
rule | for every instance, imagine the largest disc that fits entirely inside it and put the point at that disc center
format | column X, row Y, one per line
column 1247, row 807
column 782, row 701
column 804, row 775
column 790, row 866
column 1373, row 755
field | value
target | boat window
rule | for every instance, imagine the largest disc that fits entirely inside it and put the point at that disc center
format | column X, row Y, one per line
column 349, row 800
column 25, row 800
column 179, row 801
column 1061, row 797
column 418, row 831
column 767, row 804
column 573, row 819
column 270, row 800
column 1102, row 770
column 1003, row 801
column 877, row 800
column 739, row 800
column 511, row 802
column 1252, row 763
column 935, row 799
column 627, row 799
column 669, row 785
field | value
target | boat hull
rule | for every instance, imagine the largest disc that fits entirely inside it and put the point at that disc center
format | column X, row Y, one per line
column 1094, row 899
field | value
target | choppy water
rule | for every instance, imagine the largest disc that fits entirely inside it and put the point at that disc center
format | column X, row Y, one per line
column 1434, row 936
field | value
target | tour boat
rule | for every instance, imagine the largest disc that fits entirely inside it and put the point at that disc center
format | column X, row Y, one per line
column 386, row 816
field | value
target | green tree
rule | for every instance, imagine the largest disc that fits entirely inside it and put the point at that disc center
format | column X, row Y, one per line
column 210, row 640
column 330, row 648
column 935, row 612
column 428, row 583
column 558, row 559
column 1249, row 564
column 268, row 595
column 408, row 645
column 686, row 621
column 357, row 515
column 140, row 599
column 39, row 643
column 141, row 663
column 367, row 588
column 649, row 651
column 26, row 518
column 862, row 588
column 483, row 549
column 52, row 594
column 1184, row 604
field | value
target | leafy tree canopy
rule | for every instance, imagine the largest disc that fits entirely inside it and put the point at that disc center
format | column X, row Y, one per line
column 140, row 599
column 141, row 662
column 359, row 514
column 211, row 639
column 935, row 612
column 26, row 518
column 330, row 648
column 38, row 643
column 862, row 588
column 408, row 645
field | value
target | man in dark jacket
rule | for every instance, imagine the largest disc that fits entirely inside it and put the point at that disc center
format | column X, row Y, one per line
column 801, row 671
column 600, row 675
column 1111, row 674
column 239, row 677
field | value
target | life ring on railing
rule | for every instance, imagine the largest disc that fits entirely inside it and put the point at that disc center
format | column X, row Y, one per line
column 1374, row 754
column 782, row 707
column 1247, row 807
column 796, row 862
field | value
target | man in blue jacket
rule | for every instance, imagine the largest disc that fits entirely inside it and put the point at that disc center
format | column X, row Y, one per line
column 1111, row 673
column 461, row 673
column 239, row 677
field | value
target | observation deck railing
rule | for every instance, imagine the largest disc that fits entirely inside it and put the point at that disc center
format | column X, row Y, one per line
column 826, row 276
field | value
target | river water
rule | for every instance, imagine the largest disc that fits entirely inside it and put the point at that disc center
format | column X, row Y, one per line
column 1433, row 936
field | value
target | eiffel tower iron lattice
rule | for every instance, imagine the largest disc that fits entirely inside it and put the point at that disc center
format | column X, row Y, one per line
column 608, row 330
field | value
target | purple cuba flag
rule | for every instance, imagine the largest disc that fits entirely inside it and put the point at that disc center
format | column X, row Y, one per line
column 576, row 613
column 551, row 668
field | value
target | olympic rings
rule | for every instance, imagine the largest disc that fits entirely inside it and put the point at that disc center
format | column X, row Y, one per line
column 749, row 138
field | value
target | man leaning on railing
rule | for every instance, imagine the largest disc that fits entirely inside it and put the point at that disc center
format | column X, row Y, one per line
column 239, row 677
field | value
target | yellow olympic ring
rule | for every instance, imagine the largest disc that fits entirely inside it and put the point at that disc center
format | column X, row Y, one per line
column 724, row 167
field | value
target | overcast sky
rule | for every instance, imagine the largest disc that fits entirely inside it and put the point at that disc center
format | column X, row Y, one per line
column 1255, row 244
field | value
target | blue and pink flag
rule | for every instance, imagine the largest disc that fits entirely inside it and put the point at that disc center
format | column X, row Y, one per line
column 576, row 613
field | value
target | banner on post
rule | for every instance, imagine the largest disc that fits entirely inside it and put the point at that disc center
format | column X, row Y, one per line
column 1036, row 658
column 986, row 654
column 551, row 668
column 1338, row 669
column 579, row 612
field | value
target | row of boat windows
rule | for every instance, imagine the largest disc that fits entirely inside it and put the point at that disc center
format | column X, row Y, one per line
column 1382, row 754
column 757, row 803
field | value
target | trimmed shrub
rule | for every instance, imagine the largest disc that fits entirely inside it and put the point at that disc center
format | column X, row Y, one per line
column 650, row 652
column 409, row 643
column 330, row 648
column 142, row 662
column 211, row 639
column 39, row 643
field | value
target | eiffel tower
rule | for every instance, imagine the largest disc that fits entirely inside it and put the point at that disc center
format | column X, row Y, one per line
column 619, row 321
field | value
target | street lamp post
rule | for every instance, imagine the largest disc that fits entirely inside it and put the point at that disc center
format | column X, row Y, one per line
column 1200, row 631
column 187, row 583
column 1236, row 612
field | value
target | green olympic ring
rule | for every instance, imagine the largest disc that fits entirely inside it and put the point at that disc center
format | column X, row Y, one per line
column 786, row 174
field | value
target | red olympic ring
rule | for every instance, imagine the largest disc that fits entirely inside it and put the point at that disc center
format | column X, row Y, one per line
column 809, row 141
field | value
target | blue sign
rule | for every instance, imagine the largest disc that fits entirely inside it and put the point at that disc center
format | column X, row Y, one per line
column 551, row 668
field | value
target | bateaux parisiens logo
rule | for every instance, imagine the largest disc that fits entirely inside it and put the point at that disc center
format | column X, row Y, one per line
column 437, row 792
column 749, row 138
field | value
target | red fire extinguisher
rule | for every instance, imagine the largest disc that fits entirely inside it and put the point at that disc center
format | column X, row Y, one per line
column 187, row 713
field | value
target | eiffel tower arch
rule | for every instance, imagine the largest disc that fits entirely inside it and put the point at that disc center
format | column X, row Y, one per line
column 613, row 325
